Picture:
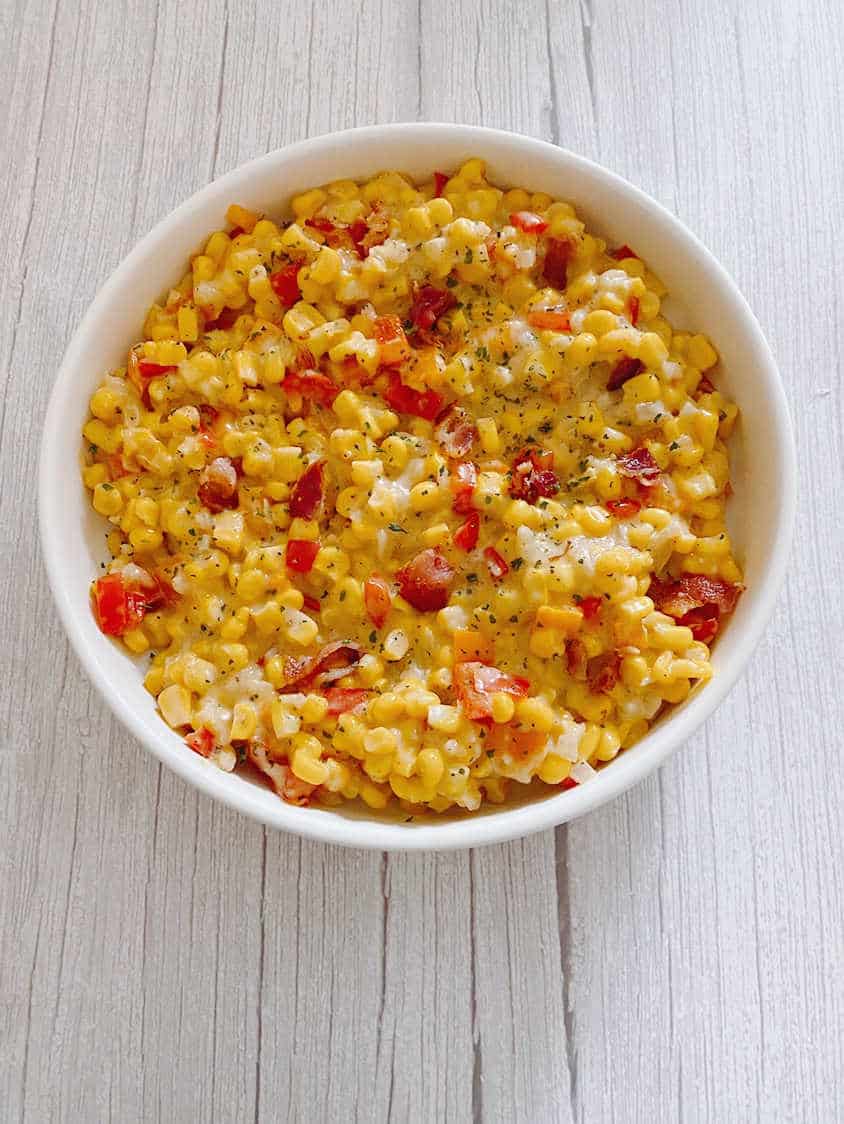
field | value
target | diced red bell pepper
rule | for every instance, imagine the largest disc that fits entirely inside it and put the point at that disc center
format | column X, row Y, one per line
column 285, row 284
column 148, row 370
column 528, row 222
column 551, row 320
column 300, row 555
column 623, row 252
column 496, row 564
column 377, row 599
column 312, row 604
column 118, row 606
column 425, row 582
column 306, row 496
column 202, row 741
column 476, row 683
column 590, row 607
column 634, row 311
column 440, row 180
column 623, row 509
column 466, row 535
column 405, row 400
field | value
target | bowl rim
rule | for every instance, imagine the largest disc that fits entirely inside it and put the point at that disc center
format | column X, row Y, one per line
column 476, row 829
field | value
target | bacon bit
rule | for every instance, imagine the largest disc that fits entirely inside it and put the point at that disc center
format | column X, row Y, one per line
column 285, row 284
column 300, row 555
column 623, row 509
column 208, row 416
column 425, row 582
column 464, row 480
column 377, row 599
column 304, row 361
column 639, row 465
column 429, row 304
column 341, row 700
column 440, row 180
column 634, row 311
column 693, row 591
column 558, row 254
column 624, row 370
column 332, row 662
column 704, row 622
column 312, row 604
column 306, row 496
column 394, row 348
column 492, row 248
column 405, row 400
column 705, row 386
column 528, row 222
column 576, row 658
column 549, row 320
column 235, row 232
column 590, row 607
column 496, row 564
column 533, row 476
column 472, row 646
column 455, row 432
column 475, row 684
column 118, row 606
column 313, row 386
column 163, row 594
column 372, row 231
column 567, row 783
column 218, row 485
column 602, row 672
column 202, row 741
column 623, row 252
column 466, row 535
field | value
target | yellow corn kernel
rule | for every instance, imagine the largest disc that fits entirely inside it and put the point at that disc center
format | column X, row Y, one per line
column 396, row 645
column 285, row 721
column 105, row 404
column 188, row 323
column 430, row 767
column 244, row 721
column 154, row 680
column 554, row 769
column 269, row 618
column 242, row 217
column 488, row 433
column 198, row 674
column 388, row 707
column 380, row 741
column 107, row 500
column 535, row 713
column 175, row 704
column 502, row 706
column 314, row 708
column 444, row 718
column 599, row 322
column 701, row 353
column 652, row 350
column 252, row 584
column 567, row 619
column 136, row 641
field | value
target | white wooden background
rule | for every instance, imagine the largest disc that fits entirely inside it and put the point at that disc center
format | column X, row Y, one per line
column 676, row 956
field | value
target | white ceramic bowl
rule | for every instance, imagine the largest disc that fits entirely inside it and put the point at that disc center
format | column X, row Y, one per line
column 764, row 462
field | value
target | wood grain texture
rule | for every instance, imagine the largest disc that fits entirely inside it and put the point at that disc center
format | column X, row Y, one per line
column 676, row 956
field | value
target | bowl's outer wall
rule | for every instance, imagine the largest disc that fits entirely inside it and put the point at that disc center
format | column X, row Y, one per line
column 73, row 538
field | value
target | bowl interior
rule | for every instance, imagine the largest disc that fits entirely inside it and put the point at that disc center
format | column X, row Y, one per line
column 703, row 298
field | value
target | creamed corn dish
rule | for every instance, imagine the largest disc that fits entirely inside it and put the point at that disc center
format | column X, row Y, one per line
column 414, row 497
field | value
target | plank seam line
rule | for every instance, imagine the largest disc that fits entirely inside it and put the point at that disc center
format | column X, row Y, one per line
column 561, row 864
column 260, row 995
column 586, row 20
column 147, row 98
column 554, row 114
column 219, row 121
column 477, row 1051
